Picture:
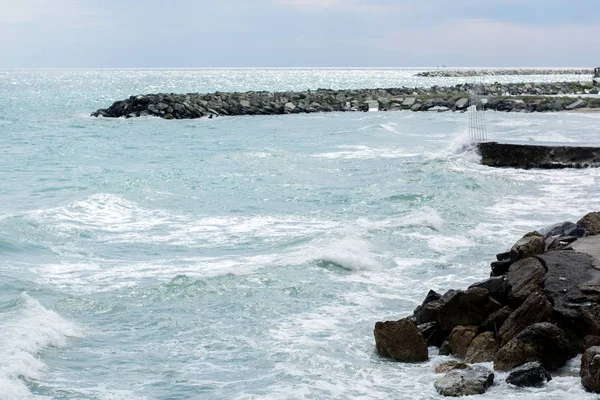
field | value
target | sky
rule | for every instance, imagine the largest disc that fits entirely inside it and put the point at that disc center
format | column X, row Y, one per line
column 298, row 33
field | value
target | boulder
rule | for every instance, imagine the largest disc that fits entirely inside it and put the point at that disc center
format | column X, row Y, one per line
column 541, row 342
column 482, row 349
column 529, row 374
column 447, row 366
column 428, row 311
column 465, row 382
column 408, row 102
column 524, row 277
column 461, row 338
column 432, row 333
column 590, row 369
column 469, row 307
column 461, row 104
column 589, row 341
column 591, row 223
column 531, row 244
column 400, row 340
column 576, row 104
column 566, row 228
column 535, row 309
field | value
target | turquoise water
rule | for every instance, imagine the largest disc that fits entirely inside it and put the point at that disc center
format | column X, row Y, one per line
column 247, row 258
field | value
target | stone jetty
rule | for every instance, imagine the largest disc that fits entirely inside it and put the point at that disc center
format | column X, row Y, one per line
column 518, row 97
column 457, row 73
column 539, row 308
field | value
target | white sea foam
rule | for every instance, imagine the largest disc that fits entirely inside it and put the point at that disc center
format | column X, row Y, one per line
column 351, row 253
column 27, row 328
column 362, row 152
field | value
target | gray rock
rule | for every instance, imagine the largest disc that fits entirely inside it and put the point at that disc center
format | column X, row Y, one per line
column 445, row 349
column 529, row 374
column 590, row 369
column 465, row 382
column 575, row 104
column 408, row 102
column 469, row 307
column 245, row 103
column 439, row 109
column 462, row 103
column 401, row 341
column 496, row 287
column 447, row 366
column 566, row 228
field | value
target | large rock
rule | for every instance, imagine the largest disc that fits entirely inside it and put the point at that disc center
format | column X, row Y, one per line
column 482, row 349
column 465, row 382
column 541, row 342
column 571, row 285
column 531, row 244
column 495, row 320
column 496, row 287
column 469, row 307
column 432, row 333
column 566, row 228
column 535, row 309
column 524, row 277
column 400, row 340
column 591, row 223
column 590, row 369
column 530, row 374
column 429, row 310
column 461, row 338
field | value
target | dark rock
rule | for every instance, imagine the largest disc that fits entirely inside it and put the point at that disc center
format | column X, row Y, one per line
column 529, row 374
column 461, row 338
column 428, row 311
column 524, row 277
column 535, row 309
column 499, row 268
column 495, row 320
column 432, row 333
column 447, row 366
column 482, row 349
column 512, row 255
column 591, row 223
column 465, row 382
column 541, row 342
column 445, row 349
column 470, row 307
column 590, row 369
column 566, row 228
column 589, row 341
column 400, row 340
column 495, row 286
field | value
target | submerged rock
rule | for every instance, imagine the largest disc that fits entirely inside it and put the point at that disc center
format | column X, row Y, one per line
column 465, row 382
column 400, row 340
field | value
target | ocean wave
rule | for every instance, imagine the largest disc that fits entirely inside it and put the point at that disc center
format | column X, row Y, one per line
column 27, row 328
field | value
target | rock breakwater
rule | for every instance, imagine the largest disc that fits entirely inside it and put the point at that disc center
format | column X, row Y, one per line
column 527, row 97
column 540, row 305
column 455, row 73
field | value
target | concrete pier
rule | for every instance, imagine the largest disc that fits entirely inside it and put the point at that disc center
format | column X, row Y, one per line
column 528, row 156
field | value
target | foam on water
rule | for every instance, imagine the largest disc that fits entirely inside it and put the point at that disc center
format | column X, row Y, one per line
column 27, row 329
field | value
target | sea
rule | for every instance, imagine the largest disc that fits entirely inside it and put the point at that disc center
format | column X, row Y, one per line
column 250, row 257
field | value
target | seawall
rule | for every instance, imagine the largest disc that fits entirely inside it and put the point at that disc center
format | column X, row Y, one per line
column 527, row 97
column 538, row 156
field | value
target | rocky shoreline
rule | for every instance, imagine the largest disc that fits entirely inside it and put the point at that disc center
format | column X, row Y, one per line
column 457, row 73
column 539, row 308
column 521, row 97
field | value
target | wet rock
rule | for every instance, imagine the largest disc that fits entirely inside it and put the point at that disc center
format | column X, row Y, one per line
column 469, row 307
column 531, row 244
column 445, row 349
column 589, row 341
column 591, row 223
column 535, row 309
column 400, row 340
column 461, row 338
column 524, row 277
column 447, row 366
column 482, row 349
column 566, row 228
column 429, row 310
column 590, row 369
column 541, row 342
column 465, row 382
column 529, row 374
column 499, row 268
